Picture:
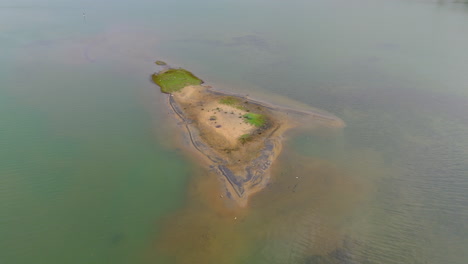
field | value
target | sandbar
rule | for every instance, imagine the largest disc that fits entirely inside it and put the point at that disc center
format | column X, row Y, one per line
column 238, row 138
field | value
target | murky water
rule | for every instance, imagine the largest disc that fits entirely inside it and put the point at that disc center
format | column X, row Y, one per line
column 90, row 172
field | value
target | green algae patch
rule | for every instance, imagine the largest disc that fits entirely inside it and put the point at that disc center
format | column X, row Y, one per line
column 160, row 63
column 257, row 120
column 174, row 80
column 232, row 101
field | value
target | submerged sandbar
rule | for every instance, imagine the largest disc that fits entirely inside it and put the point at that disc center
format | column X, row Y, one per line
column 239, row 138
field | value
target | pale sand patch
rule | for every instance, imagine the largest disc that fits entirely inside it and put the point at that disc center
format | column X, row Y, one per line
column 226, row 121
column 217, row 120
column 189, row 93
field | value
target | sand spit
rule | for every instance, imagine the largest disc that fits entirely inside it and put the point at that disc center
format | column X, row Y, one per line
column 223, row 128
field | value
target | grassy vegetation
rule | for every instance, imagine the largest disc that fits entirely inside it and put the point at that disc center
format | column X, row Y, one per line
column 257, row 120
column 232, row 101
column 161, row 63
column 174, row 80
column 229, row 100
column 245, row 138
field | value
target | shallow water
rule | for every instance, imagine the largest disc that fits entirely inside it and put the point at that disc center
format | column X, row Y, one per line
column 89, row 173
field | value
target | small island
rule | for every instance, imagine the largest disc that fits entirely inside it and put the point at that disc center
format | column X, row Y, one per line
column 239, row 138
column 160, row 63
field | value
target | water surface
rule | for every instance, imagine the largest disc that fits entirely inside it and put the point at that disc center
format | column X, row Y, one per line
column 89, row 174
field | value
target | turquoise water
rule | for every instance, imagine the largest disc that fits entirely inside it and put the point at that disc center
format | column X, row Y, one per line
column 89, row 172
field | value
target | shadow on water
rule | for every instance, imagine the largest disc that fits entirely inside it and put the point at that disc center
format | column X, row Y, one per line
column 300, row 217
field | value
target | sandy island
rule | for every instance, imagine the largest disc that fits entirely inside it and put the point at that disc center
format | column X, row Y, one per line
column 239, row 138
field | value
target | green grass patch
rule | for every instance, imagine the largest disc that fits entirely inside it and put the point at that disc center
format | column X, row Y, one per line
column 232, row 101
column 257, row 120
column 160, row 63
column 174, row 80
column 229, row 100
column 245, row 138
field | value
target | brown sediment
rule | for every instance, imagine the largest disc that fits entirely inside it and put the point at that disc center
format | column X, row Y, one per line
column 306, row 205
column 300, row 214
column 216, row 131
column 205, row 230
